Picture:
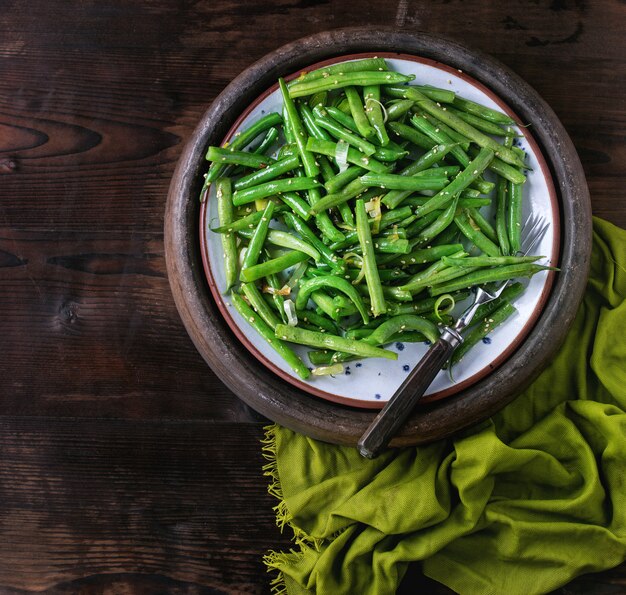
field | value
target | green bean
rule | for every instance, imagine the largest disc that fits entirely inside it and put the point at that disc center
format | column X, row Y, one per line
column 509, row 293
column 413, row 136
column 501, row 168
column 488, row 261
column 278, row 301
column 447, row 236
column 318, row 99
column 229, row 241
column 358, row 113
column 482, row 276
column 247, row 222
column 423, row 124
column 325, row 304
column 392, row 246
column 269, row 173
column 261, row 307
column 247, row 195
column 346, row 120
column 446, row 275
column 341, row 133
column 334, row 342
column 374, row 113
column 285, row 240
column 318, row 320
column 464, row 202
column 258, row 238
column 433, row 156
column 271, row 304
column 337, row 283
column 286, row 127
column 326, row 254
column 340, row 180
column 423, row 306
column 326, row 169
column 398, row 324
column 390, row 292
column 482, row 223
column 290, row 357
column 477, row 237
column 399, row 182
column 242, row 139
column 437, row 94
column 417, row 281
column 388, row 218
column 502, row 200
column 229, row 157
column 372, row 278
column 274, row 265
column 287, row 150
column 501, row 211
column 386, row 275
column 437, row 226
column 298, row 205
column 311, row 168
column 322, row 357
column 345, row 212
column 342, row 302
column 313, row 130
column 432, row 254
column 398, row 328
column 367, row 64
column 455, row 122
column 471, row 193
column 354, row 188
column 479, row 123
column 355, row 157
column 464, row 179
column 417, row 226
column 440, row 127
column 391, row 152
column 268, row 140
column 398, row 108
column 482, row 111
column 514, row 216
column 478, row 333
column 348, row 79
column 308, row 120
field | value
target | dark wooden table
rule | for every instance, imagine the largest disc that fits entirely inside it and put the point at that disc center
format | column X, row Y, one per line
column 125, row 465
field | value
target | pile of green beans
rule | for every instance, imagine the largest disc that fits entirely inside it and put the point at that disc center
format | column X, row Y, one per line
column 351, row 219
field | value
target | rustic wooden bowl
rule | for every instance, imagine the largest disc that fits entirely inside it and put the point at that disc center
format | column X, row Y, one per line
column 267, row 393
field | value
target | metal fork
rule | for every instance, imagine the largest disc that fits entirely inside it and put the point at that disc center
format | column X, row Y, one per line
column 402, row 402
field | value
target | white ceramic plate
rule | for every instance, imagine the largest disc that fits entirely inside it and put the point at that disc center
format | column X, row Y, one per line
column 371, row 382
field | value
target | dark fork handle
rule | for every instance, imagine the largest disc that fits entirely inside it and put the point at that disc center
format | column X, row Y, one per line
column 399, row 407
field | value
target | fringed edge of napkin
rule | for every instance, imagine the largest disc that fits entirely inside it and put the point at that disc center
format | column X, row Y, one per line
column 274, row 560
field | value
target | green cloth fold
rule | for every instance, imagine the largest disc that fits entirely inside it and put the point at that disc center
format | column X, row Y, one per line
column 519, row 504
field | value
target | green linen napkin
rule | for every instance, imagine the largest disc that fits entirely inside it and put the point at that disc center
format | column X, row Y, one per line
column 522, row 503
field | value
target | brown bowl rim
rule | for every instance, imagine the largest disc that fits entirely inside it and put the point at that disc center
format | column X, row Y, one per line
column 322, row 419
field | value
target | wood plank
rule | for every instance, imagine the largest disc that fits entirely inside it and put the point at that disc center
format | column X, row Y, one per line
column 180, row 502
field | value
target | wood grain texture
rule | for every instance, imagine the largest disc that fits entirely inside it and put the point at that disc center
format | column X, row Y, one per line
column 125, row 465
